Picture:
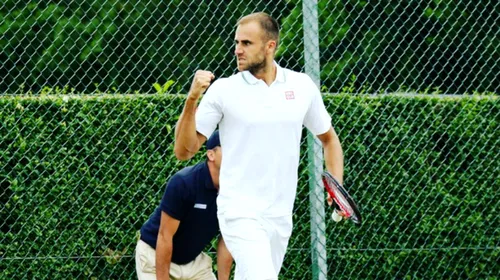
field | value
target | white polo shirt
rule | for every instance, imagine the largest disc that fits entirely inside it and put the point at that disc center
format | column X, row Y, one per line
column 260, row 130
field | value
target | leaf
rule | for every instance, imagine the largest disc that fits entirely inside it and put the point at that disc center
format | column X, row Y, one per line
column 167, row 85
column 158, row 88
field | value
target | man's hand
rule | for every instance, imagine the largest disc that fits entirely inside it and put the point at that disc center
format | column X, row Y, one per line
column 336, row 215
column 201, row 82
column 329, row 199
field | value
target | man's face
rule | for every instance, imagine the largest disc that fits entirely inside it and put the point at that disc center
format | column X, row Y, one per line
column 218, row 156
column 250, row 47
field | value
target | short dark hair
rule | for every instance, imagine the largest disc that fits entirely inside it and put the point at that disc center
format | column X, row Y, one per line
column 268, row 24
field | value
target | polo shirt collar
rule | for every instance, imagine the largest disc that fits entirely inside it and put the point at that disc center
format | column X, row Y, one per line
column 280, row 75
column 209, row 184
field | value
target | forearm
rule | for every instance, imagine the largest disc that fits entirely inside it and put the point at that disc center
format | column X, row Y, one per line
column 186, row 140
column 224, row 261
column 163, row 257
column 334, row 158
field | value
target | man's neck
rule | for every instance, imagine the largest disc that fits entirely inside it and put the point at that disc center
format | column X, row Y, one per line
column 267, row 74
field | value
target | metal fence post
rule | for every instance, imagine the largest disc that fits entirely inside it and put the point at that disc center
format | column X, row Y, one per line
column 315, row 155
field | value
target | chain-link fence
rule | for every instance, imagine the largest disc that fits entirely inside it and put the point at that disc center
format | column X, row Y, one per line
column 80, row 174
column 110, row 45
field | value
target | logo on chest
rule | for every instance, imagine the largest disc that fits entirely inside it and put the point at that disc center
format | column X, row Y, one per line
column 200, row 206
column 289, row 95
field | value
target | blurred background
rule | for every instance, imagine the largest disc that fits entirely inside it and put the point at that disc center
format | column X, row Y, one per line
column 126, row 46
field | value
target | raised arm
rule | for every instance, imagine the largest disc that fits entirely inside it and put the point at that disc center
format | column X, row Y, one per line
column 224, row 260
column 187, row 140
column 164, row 245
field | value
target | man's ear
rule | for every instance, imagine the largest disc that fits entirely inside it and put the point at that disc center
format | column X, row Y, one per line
column 272, row 46
column 210, row 155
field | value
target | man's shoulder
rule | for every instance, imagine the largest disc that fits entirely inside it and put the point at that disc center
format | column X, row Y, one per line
column 187, row 173
column 294, row 76
column 234, row 78
column 182, row 177
column 221, row 85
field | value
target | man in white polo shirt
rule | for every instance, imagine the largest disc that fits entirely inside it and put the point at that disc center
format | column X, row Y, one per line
column 260, row 112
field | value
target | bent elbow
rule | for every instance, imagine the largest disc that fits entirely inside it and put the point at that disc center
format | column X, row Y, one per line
column 182, row 154
column 182, row 157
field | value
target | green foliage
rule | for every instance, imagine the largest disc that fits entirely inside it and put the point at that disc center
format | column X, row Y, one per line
column 163, row 89
column 79, row 176
column 95, row 46
column 423, row 171
column 416, row 43
column 81, row 173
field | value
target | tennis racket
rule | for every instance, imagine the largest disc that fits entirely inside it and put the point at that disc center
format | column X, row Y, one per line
column 342, row 201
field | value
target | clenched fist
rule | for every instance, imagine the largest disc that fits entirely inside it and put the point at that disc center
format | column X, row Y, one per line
column 201, row 82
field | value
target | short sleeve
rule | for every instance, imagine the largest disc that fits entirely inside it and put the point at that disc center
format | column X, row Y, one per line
column 175, row 198
column 317, row 120
column 209, row 112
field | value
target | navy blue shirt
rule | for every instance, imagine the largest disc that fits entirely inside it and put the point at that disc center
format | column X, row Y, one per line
column 190, row 197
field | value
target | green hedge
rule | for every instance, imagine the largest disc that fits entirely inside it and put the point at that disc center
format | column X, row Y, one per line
column 81, row 174
column 424, row 170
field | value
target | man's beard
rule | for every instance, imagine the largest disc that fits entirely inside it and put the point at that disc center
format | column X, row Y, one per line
column 256, row 67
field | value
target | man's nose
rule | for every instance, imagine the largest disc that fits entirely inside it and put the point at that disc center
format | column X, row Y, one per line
column 237, row 51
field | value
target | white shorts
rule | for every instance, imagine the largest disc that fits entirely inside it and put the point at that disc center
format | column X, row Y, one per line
column 257, row 244
column 145, row 265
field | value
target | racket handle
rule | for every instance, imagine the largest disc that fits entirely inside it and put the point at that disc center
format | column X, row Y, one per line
column 336, row 216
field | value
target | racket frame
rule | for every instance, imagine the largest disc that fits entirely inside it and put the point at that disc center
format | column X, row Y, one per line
column 353, row 213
